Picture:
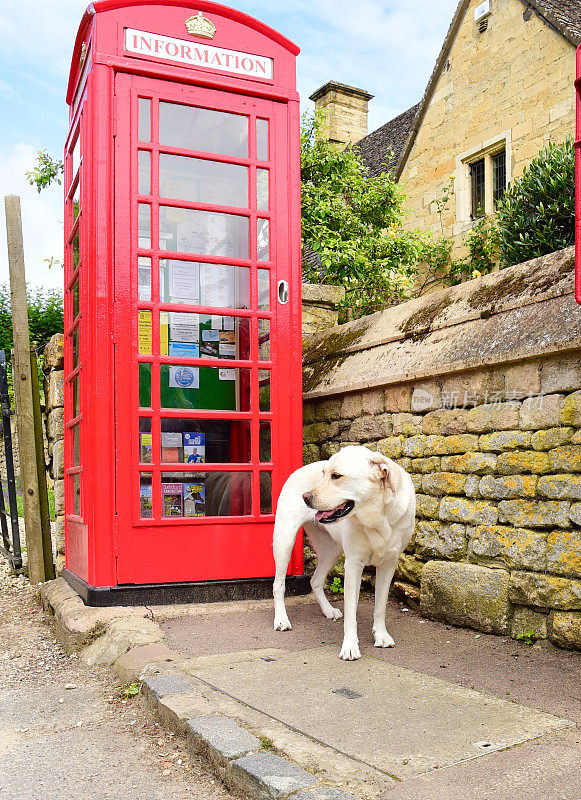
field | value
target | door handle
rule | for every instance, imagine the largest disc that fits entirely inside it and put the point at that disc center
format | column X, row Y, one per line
column 283, row 292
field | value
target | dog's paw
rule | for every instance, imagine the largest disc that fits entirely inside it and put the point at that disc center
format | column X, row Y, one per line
column 383, row 639
column 350, row 651
column 282, row 624
column 334, row 614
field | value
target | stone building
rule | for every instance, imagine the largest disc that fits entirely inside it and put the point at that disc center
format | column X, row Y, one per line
column 501, row 89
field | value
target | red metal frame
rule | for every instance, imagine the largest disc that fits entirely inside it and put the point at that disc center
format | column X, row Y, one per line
column 107, row 542
column 578, row 178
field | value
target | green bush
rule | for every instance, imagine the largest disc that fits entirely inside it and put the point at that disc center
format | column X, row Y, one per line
column 537, row 213
column 45, row 316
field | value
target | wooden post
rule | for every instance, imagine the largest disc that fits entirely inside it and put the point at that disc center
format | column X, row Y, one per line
column 23, row 395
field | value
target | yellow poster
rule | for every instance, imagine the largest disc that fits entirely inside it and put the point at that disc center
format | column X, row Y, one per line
column 163, row 333
column 144, row 331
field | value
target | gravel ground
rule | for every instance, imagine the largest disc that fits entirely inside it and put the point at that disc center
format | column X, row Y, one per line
column 68, row 731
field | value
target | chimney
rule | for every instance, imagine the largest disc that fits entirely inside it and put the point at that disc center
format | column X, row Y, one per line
column 346, row 111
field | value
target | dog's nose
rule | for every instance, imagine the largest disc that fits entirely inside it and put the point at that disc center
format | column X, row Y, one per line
column 308, row 498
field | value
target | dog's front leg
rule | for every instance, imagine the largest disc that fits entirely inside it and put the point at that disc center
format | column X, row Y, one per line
column 353, row 571
column 383, row 576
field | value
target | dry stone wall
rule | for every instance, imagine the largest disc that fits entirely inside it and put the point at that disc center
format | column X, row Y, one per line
column 494, row 453
column 54, row 428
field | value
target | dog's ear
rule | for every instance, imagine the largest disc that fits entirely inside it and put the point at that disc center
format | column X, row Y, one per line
column 385, row 470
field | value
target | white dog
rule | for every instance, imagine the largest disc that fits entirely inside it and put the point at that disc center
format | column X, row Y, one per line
column 359, row 502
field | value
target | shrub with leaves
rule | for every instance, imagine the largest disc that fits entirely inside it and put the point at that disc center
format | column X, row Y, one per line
column 47, row 170
column 537, row 213
column 352, row 223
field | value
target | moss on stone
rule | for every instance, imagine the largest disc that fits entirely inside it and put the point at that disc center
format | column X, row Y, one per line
column 328, row 353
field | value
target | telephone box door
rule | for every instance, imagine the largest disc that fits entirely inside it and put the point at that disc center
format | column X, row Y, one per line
column 205, row 334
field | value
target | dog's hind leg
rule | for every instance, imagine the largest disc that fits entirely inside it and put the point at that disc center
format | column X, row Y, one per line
column 328, row 552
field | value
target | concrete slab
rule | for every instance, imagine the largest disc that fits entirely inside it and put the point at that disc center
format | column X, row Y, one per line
column 397, row 720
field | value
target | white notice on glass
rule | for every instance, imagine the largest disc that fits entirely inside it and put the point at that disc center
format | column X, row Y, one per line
column 228, row 323
column 184, row 327
column 216, row 323
column 218, row 285
column 184, row 281
column 227, row 374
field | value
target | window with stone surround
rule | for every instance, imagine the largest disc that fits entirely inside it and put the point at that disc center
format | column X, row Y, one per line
column 482, row 174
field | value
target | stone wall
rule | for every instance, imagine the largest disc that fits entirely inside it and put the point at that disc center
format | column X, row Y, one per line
column 54, row 427
column 476, row 391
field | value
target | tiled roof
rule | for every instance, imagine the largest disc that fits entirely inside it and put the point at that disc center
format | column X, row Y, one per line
column 565, row 15
column 382, row 149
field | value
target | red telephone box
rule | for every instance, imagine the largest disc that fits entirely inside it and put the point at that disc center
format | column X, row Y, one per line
column 182, row 302
column 578, row 179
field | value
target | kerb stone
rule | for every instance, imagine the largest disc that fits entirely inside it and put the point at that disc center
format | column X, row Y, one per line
column 269, row 776
column 323, row 793
column 220, row 738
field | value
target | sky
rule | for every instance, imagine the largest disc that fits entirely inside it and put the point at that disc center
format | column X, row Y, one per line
column 387, row 48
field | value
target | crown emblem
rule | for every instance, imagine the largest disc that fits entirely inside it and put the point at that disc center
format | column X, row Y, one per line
column 200, row 26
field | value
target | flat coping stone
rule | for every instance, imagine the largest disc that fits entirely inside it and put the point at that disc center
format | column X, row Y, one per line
column 222, row 736
column 160, row 685
column 271, row 776
column 323, row 793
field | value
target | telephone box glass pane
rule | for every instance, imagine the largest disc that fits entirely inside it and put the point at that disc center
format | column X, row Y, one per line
column 76, row 433
column 263, row 289
column 262, row 189
column 144, row 122
column 75, row 348
column 187, row 230
column 145, row 496
column 145, row 443
column 75, row 294
column 222, row 389
column 145, row 385
column 76, row 201
column 264, row 443
column 262, row 240
column 199, row 441
column 262, row 139
column 264, row 389
column 76, row 249
column 144, row 278
column 76, row 396
column 265, row 493
column 264, row 339
column 76, row 489
column 198, row 180
column 203, row 130
column 144, row 172
column 206, row 494
column 191, row 335
column 196, row 283
column 144, row 220
column 144, row 332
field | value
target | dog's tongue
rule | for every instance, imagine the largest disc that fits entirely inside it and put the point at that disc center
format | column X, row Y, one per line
column 322, row 515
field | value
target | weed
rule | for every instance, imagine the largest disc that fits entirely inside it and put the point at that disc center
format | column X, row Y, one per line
column 527, row 638
column 336, row 586
column 129, row 690
column 266, row 743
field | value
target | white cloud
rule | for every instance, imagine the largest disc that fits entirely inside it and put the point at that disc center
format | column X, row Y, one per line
column 42, row 216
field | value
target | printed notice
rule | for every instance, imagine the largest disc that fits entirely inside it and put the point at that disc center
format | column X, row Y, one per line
column 184, row 281
column 227, row 374
column 216, row 322
column 163, row 332
column 184, row 377
column 184, row 349
column 227, row 344
column 184, row 327
column 144, row 331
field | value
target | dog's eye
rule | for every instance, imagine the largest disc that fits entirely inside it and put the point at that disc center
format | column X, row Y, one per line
column 335, row 476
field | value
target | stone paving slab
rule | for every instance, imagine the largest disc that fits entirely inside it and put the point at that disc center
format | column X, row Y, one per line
column 400, row 721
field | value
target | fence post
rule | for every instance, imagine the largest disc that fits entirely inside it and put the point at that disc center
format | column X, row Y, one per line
column 23, row 395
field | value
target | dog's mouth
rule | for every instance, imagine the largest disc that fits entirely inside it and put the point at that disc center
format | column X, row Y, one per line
column 335, row 513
